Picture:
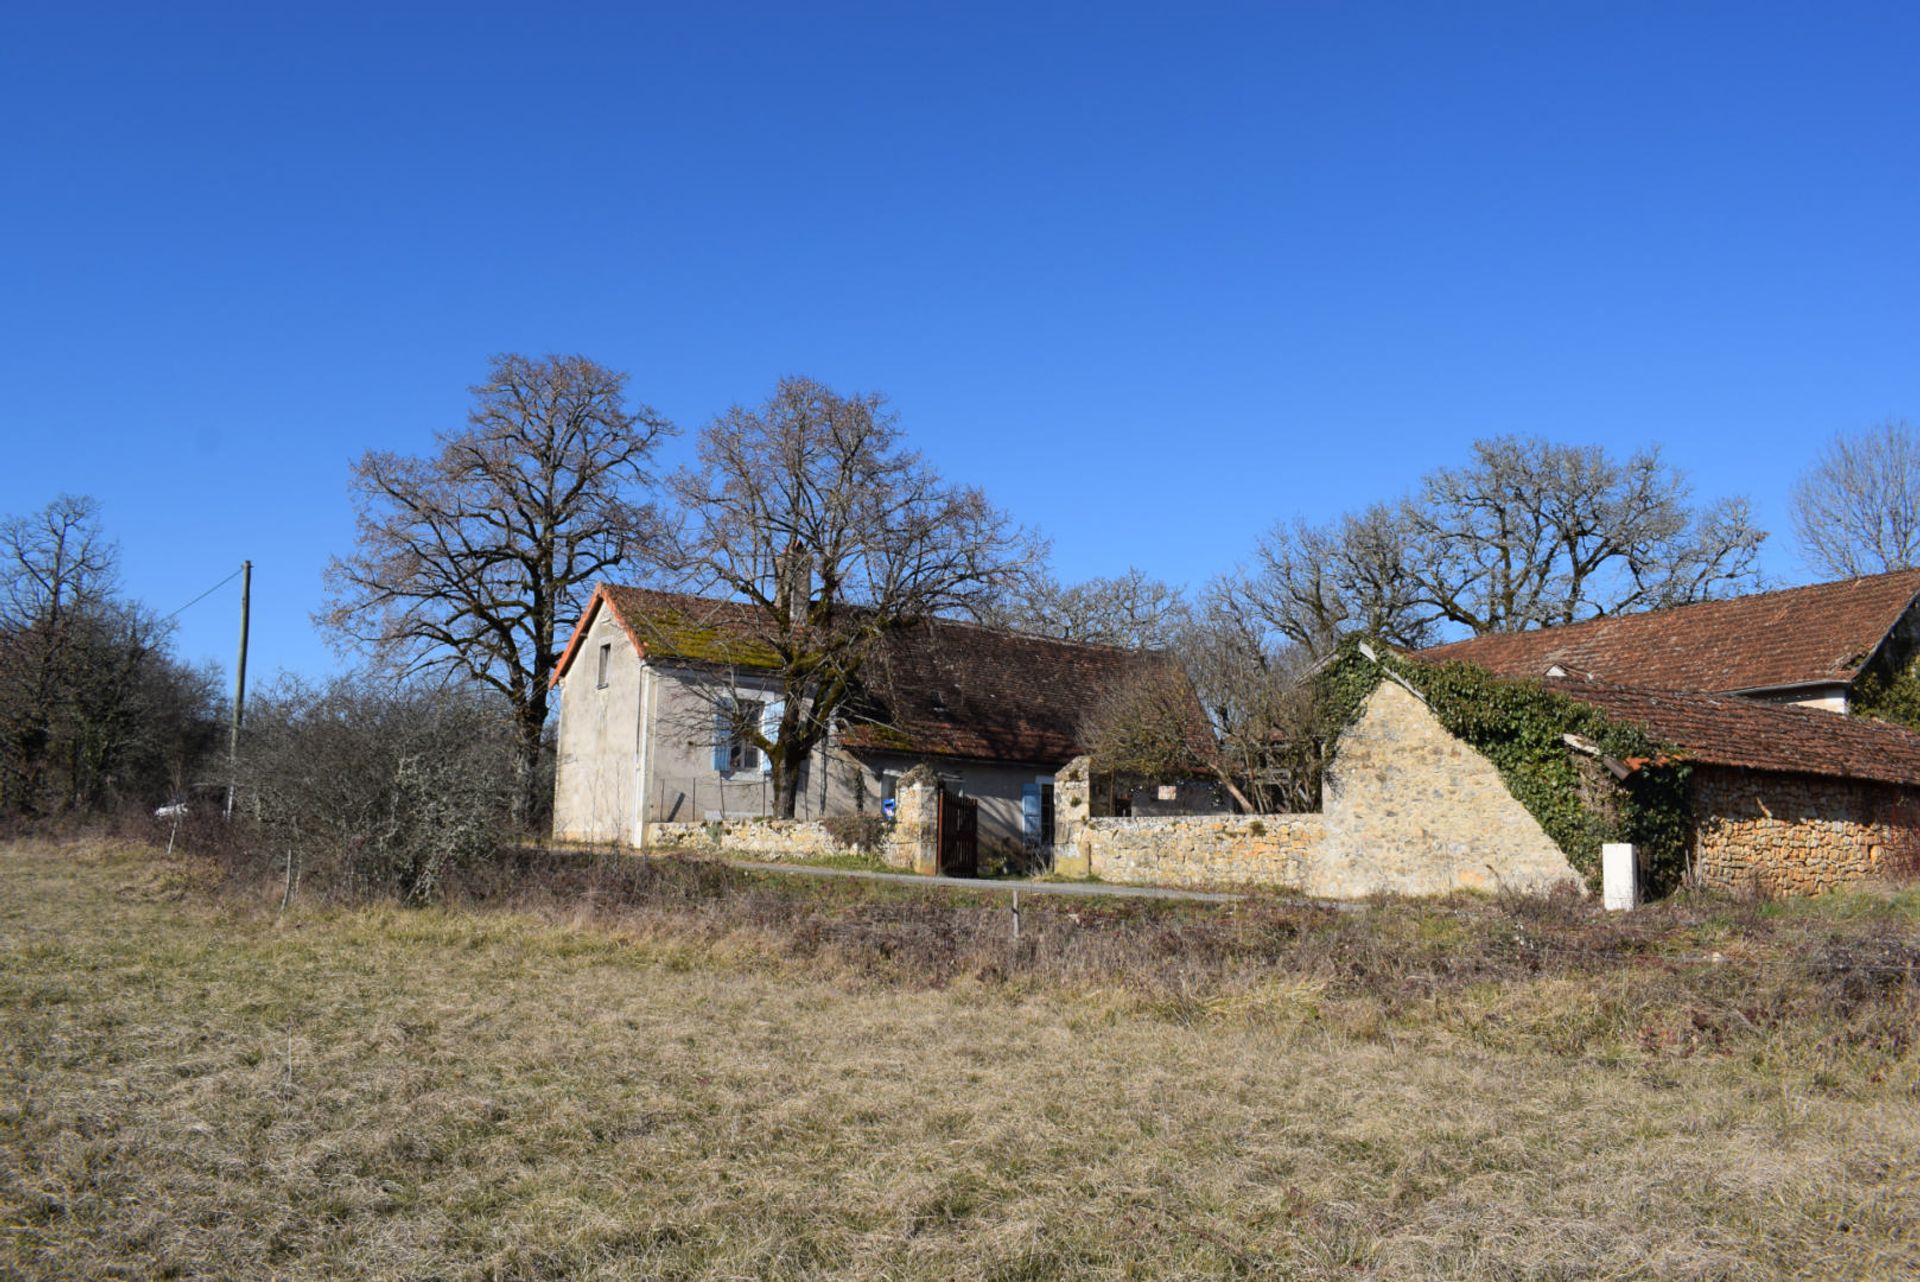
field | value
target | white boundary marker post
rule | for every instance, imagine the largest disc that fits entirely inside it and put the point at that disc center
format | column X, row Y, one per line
column 1619, row 877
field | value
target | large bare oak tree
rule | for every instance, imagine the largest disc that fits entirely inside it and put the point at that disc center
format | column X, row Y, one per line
column 1528, row 534
column 811, row 509
column 1131, row 609
column 474, row 559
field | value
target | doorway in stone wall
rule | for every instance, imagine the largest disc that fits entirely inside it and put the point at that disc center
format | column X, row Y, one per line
column 959, row 829
column 1036, row 823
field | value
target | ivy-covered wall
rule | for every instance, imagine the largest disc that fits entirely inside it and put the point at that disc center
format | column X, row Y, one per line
column 1522, row 728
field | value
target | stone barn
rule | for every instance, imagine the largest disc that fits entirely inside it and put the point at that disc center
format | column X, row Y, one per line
column 1785, row 800
column 1793, row 789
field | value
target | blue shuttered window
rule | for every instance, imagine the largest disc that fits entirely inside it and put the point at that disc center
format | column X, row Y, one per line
column 1030, row 812
column 733, row 750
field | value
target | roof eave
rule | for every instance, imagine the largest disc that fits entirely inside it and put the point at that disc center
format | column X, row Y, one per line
column 580, row 629
column 1885, row 638
column 1784, row 687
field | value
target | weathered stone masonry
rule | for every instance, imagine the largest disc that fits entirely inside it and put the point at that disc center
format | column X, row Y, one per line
column 1799, row 834
column 910, row 844
column 1207, row 850
column 770, row 839
column 1409, row 810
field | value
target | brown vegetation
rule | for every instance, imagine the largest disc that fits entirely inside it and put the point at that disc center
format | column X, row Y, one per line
column 616, row 1067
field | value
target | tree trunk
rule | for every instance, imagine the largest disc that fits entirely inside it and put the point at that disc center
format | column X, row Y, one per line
column 1240, row 798
column 526, row 802
column 786, row 786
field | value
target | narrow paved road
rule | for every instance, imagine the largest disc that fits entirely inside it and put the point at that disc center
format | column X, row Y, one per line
column 993, row 883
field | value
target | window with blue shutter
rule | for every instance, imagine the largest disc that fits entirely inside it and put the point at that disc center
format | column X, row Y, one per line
column 1030, row 812
column 733, row 751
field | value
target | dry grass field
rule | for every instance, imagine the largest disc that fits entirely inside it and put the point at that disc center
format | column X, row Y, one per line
column 630, row 1073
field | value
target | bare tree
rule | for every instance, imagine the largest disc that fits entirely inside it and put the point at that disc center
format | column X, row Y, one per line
column 1531, row 534
column 811, row 510
column 54, row 561
column 475, row 558
column 1154, row 727
column 1313, row 585
column 1237, row 707
column 58, row 567
column 1130, row 609
column 1858, row 510
column 92, row 707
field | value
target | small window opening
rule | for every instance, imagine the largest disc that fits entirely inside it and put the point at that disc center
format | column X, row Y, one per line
column 606, row 657
column 741, row 752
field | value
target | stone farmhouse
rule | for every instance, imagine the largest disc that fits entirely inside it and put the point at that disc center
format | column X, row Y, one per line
column 1790, row 794
column 653, row 683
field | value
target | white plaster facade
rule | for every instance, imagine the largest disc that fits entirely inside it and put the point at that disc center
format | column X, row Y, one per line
column 636, row 747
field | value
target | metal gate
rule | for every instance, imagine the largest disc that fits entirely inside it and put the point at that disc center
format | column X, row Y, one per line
column 959, row 835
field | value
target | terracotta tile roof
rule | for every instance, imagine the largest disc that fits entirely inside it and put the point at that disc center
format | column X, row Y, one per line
column 678, row 626
column 941, row 688
column 1728, row 730
column 962, row 690
column 1791, row 637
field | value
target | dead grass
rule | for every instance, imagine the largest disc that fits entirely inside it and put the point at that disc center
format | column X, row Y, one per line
column 626, row 1070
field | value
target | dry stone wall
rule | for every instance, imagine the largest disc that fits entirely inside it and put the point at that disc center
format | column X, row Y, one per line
column 1412, row 810
column 1799, row 834
column 769, row 839
column 1409, row 810
column 911, row 840
column 1212, row 850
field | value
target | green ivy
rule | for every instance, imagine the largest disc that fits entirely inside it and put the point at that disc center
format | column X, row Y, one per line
column 1896, row 700
column 1519, row 727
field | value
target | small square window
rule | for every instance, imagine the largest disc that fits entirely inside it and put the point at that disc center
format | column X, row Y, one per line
column 606, row 657
column 742, row 754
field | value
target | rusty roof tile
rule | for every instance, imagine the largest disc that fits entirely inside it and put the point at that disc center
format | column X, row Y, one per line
column 1797, row 636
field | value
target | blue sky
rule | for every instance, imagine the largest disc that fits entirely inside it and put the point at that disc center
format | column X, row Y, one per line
column 1155, row 276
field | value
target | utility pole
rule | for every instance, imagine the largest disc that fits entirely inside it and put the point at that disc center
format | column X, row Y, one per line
column 239, row 686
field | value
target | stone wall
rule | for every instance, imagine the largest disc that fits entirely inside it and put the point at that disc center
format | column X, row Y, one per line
column 1799, row 834
column 1204, row 850
column 1409, row 810
column 1072, row 812
column 1412, row 810
column 770, row 839
column 913, row 839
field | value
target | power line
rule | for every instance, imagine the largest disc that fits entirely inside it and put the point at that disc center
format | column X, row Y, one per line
column 204, row 595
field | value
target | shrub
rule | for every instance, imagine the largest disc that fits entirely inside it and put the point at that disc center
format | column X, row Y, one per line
column 375, row 787
column 863, row 831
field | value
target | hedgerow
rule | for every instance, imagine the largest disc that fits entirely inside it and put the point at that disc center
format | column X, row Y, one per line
column 1521, row 727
